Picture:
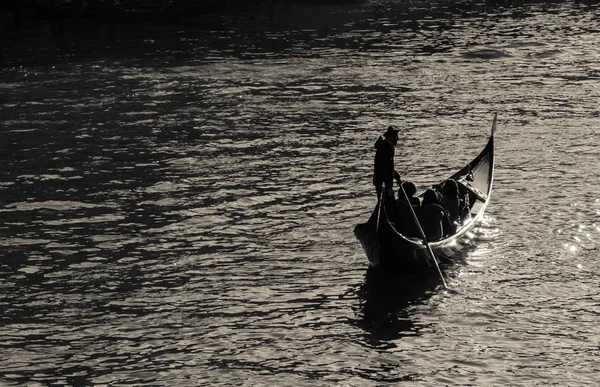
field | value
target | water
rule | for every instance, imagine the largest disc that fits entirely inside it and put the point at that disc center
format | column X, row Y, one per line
column 177, row 202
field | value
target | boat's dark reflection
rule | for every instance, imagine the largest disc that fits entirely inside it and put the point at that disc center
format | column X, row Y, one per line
column 387, row 299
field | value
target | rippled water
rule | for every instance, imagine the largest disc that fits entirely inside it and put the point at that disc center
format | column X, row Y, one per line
column 177, row 202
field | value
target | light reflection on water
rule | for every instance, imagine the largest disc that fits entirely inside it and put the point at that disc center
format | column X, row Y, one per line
column 179, row 211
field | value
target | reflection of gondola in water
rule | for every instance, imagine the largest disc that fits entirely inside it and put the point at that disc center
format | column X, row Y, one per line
column 385, row 301
column 385, row 246
column 386, row 298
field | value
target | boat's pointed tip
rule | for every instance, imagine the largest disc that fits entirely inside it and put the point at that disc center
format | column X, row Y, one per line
column 494, row 124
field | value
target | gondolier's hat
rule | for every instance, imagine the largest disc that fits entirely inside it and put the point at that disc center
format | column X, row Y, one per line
column 391, row 131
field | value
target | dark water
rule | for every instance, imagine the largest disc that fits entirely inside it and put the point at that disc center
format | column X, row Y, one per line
column 177, row 201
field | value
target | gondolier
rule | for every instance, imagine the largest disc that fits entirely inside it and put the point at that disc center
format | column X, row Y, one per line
column 384, row 172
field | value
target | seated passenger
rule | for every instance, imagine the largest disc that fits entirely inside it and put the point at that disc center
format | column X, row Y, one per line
column 406, row 223
column 410, row 189
column 433, row 217
column 450, row 200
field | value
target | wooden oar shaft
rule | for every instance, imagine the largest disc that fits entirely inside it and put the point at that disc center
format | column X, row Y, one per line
column 414, row 215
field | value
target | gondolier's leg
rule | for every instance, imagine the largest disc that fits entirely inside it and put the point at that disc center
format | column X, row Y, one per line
column 378, row 188
column 388, row 189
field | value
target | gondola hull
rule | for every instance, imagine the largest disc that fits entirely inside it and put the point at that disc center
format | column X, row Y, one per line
column 386, row 247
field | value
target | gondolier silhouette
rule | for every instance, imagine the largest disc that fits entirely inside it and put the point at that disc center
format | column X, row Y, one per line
column 384, row 172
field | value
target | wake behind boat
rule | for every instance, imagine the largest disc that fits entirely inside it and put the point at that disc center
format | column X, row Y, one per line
column 386, row 244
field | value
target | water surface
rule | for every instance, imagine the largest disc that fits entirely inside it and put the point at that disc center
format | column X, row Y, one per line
column 177, row 201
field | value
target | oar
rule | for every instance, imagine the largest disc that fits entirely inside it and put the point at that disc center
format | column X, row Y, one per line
column 412, row 211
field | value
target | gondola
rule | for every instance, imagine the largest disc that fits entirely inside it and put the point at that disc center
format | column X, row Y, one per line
column 386, row 247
